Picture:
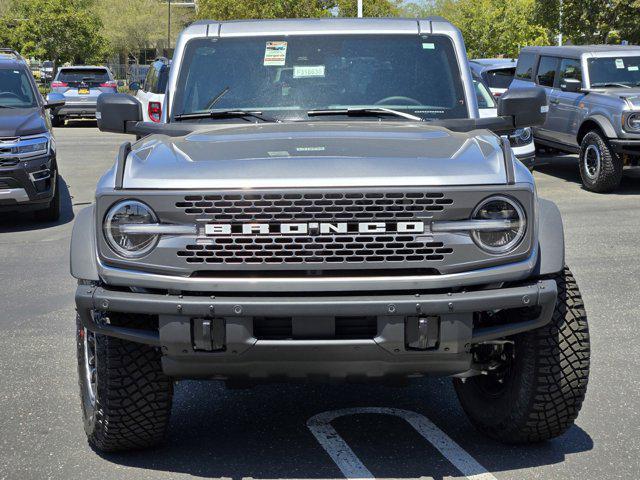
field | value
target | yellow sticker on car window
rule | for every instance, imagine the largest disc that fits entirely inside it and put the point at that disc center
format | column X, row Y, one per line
column 306, row 71
column 275, row 54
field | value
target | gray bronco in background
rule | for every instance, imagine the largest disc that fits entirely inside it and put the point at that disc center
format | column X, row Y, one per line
column 594, row 106
column 322, row 201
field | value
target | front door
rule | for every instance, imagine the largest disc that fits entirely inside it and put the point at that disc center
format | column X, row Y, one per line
column 568, row 112
column 546, row 77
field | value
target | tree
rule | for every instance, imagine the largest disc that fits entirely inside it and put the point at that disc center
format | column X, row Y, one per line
column 245, row 9
column 370, row 8
column 58, row 30
column 492, row 27
column 591, row 21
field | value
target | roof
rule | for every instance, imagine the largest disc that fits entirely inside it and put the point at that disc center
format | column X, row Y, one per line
column 495, row 62
column 576, row 50
column 319, row 26
column 84, row 67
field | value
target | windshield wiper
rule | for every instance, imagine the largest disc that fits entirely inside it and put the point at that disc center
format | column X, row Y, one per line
column 236, row 113
column 364, row 112
column 610, row 84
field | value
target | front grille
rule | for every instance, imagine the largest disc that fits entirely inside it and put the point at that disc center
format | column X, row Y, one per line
column 350, row 249
column 344, row 328
column 9, row 162
column 9, row 183
column 314, row 206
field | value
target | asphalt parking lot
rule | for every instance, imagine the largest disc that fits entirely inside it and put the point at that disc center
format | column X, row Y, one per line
column 263, row 432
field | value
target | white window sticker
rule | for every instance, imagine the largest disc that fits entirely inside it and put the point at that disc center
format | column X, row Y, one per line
column 275, row 54
column 429, row 46
column 632, row 68
column 619, row 63
column 306, row 71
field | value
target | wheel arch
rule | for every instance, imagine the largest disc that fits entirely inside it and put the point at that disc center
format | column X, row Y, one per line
column 83, row 261
column 596, row 122
column 550, row 239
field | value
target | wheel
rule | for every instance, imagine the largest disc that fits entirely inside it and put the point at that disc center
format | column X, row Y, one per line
column 52, row 212
column 537, row 390
column 600, row 166
column 126, row 398
column 57, row 121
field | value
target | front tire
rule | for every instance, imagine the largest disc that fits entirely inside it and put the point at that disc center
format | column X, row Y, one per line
column 541, row 393
column 126, row 398
column 600, row 166
column 52, row 212
column 57, row 121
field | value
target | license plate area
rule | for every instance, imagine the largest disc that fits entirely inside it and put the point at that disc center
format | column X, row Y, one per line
column 83, row 91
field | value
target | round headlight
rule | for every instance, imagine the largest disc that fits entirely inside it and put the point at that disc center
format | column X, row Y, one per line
column 633, row 122
column 130, row 243
column 501, row 239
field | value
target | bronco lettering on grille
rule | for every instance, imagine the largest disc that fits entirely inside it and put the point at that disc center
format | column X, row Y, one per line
column 312, row 228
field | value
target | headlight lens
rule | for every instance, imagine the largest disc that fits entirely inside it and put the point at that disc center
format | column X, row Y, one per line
column 130, row 245
column 503, row 240
column 632, row 122
column 37, row 145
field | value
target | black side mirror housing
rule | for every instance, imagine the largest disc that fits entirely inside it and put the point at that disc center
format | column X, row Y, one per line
column 570, row 85
column 527, row 106
column 134, row 86
column 118, row 112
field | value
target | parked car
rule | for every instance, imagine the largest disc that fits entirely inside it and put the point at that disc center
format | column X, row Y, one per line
column 151, row 92
column 521, row 139
column 46, row 71
column 28, row 169
column 594, row 106
column 497, row 73
column 322, row 201
column 81, row 86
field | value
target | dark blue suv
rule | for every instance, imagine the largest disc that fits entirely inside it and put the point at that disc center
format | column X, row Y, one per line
column 28, row 169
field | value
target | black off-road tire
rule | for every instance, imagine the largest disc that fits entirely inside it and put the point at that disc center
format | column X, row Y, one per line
column 52, row 212
column 133, row 396
column 547, row 380
column 57, row 121
column 608, row 176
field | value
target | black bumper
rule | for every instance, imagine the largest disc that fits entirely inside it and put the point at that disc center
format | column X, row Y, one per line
column 625, row 146
column 77, row 111
column 39, row 189
column 242, row 352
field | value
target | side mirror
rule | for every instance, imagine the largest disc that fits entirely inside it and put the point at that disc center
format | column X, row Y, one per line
column 570, row 85
column 134, row 86
column 120, row 83
column 54, row 100
column 117, row 112
column 527, row 106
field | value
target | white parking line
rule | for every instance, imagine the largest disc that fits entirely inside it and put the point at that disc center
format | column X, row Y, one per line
column 351, row 466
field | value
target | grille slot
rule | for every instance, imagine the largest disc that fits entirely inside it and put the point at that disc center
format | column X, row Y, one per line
column 347, row 249
column 346, row 328
column 350, row 328
column 313, row 206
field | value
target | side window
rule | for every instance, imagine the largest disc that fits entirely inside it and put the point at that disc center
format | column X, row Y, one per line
column 524, row 68
column 163, row 76
column 149, row 81
column 547, row 71
column 570, row 68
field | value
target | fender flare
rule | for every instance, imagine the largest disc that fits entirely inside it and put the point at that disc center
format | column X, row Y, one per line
column 83, row 261
column 550, row 239
column 604, row 124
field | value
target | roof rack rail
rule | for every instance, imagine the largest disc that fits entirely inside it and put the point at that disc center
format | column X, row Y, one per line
column 11, row 51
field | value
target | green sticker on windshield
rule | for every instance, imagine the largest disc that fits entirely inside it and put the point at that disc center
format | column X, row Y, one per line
column 632, row 68
column 306, row 71
column 429, row 46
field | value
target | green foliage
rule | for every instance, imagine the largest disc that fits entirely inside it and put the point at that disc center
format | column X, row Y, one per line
column 245, row 9
column 492, row 27
column 371, row 8
column 58, row 30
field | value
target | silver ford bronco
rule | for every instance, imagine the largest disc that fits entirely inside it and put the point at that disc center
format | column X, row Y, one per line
column 594, row 106
column 321, row 201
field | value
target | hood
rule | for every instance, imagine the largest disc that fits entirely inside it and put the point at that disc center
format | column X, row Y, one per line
column 316, row 154
column 21, row 122
column 631, row 94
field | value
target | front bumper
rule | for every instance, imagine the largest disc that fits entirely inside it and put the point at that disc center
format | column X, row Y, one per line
column 30, row 184
column 625, row 146
column 242, row 353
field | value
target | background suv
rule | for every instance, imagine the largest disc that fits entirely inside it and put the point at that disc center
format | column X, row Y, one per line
column 497, row 73
column 28, row 169
column 594, row 106
column 81, row 87
column 151, row 92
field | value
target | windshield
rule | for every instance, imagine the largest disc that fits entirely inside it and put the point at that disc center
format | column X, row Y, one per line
column 614, row 71
column 15, row 89
column 288, row 76
column 73, row 76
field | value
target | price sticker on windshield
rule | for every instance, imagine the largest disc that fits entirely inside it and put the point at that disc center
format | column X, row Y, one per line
column 619, row 63
column 275, row 54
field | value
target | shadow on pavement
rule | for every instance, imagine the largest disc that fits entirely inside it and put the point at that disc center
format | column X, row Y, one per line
column 25, row 221
column 262, row 433
column 566, row 168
